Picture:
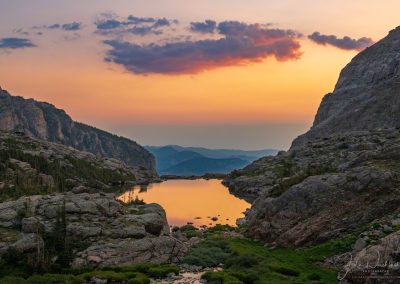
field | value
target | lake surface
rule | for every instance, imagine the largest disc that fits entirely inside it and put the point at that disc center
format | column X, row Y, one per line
column 196, row 201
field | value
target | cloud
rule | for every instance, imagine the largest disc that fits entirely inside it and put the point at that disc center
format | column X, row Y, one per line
column 108, row 24
column 111, row 24
column 138, row 20
column 15, row 43
column 258, row 32
column 346, row 42
column 162, row 23
column 72, row 26
column 206, row 27
column 240, row 44
column 144, row 30
column 54, row 26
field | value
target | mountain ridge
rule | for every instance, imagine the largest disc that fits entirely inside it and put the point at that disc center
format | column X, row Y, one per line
column 44, row 121
column 184, row 161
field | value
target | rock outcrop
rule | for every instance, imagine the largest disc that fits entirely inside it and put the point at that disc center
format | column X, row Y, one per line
column 329, row 188
column 366, row 95
column 101, row 230
column 344, row 174
column 46, row 122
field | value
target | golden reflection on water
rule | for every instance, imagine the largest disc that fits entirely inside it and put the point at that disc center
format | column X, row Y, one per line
column 195, row 201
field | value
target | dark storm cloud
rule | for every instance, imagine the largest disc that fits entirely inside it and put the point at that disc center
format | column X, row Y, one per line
column 240, row 44
column 15, row 43
column 346, row 42
column 206, row 27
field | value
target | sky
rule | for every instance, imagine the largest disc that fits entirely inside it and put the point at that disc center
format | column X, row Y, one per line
column 219, row 74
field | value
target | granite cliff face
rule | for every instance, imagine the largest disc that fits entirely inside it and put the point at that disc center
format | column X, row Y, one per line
column 366, row 95
column 342, row 178
column 44, row 121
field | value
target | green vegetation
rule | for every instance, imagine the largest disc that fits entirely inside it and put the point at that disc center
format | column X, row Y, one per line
column 130, row 274
column 248, row 262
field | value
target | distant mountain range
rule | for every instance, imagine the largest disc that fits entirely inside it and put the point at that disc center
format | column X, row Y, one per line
column 187, row 161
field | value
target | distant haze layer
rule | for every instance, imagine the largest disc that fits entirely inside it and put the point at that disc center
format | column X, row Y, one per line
column 246, row 137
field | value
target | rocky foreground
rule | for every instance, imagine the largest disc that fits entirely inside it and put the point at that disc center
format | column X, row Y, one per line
column 100, row 230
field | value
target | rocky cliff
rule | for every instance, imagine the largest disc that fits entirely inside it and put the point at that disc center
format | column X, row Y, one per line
column 366, row 95
column 44, row 121
column 342, row 178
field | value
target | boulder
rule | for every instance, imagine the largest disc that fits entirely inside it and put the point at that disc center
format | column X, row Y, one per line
column 109, row 231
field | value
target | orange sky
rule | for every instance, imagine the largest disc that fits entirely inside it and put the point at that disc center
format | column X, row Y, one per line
column 72, row 74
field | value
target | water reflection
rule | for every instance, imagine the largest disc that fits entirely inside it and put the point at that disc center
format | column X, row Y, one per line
column 201, row 202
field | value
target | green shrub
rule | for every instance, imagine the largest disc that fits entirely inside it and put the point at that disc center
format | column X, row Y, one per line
column 189, row 231
column 53, row 279
column 187, row 228
column 247, row 277
column 314, row 277
column 209, row 253
column 109, row 275
column 218, row 228
column 220, row 278
column 12, row 280
column 243, row 261
column 162, row 271
column 139, row 267
column 139, row 278
column 130, row 277
column 287, row 271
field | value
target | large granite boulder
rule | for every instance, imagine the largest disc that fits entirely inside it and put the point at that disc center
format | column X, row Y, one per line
column 113, row 233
